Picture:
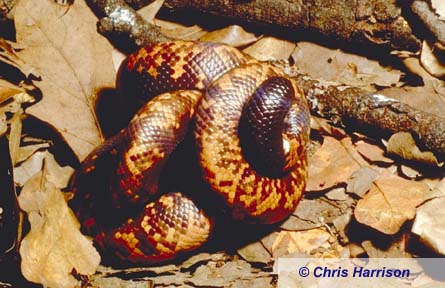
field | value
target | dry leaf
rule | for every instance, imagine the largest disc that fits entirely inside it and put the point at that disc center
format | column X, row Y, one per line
column 269, row 48
column 28, row 149
column 439, row 7
column 221, row 275
column 325, row 127
column 113, row 282
column 431, row 60
column 177, row 31
column 12, row 98
column 429, row 224
column 428, row 98
column 340, row 224
column 394, row 251
column 361, row 181
column 403, row 145
column 199, row 258
column 316, row 242
column 15, row 135
column 73, row 60
column 437, row 191
column 8, row 55
column 59, row 176
column 337, row 194
column 8, row 90
column 149, row 12
column 54, row 247
column 334, row 65
column 3, row 124
column 410, row 172
column 389, row 203
column 294, row 223
column 320, row 211
column 330, row 165
column 372, row 152
column 255, row 252
column 233, row 35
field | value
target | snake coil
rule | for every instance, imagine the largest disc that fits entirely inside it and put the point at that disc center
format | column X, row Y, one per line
column 250, row 125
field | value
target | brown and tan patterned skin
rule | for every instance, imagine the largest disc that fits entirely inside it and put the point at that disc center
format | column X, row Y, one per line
column 214, row 87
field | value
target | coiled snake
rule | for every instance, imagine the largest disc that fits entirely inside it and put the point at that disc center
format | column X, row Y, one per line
column 250, row 126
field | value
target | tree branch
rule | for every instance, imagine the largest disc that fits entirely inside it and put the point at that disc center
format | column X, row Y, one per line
column 118, row 20
column 356, row 108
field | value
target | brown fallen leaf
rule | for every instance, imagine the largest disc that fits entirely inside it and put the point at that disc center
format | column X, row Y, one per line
column 112, row 282
column 390, row 202
column 28, row 149
column 429, row 224
column 255, row 252
column 321, row 210
column 59, row 176
column 8, row 90
column 340, row 224
column 361, row 181
column 294, row 223
column 330, row 165
column 326, row 127
column 372, row 152
column 73, row 60
column 149, row 12
column 334, row 65
column 9, row 56
column 338, row 194
column 396, row 250
column 54, row 247
column 224, row 274
column 233, row 35
column 270, row 48
column 439, row 7
column 317, row 242
column 175, row 30
column 410, row 172
column 12, row 98
column 428, row 98
column 430, row 60
column 404, row 145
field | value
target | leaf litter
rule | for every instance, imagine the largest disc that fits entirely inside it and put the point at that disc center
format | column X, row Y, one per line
column 354, row 184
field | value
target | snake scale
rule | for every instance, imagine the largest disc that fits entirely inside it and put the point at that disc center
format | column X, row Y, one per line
column 250, row 125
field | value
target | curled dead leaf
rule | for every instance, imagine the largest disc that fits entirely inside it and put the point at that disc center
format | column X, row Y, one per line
column 269, row 48
column 430, row 60
column 233, row 35
column 59, row 176
column 54, row 247
column 404, row 145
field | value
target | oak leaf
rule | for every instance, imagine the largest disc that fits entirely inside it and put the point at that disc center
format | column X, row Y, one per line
column 73, row 61
column 390, row 202
column 54, row 247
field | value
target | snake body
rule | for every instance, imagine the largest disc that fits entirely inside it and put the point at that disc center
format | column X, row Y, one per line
column 250, row 124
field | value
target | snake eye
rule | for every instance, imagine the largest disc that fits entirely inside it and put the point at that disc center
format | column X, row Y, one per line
column 286, row 147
